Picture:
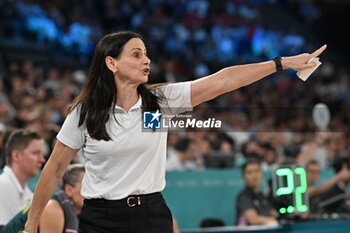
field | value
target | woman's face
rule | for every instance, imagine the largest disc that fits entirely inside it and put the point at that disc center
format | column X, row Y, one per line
column 133, row 65
column 73, row 193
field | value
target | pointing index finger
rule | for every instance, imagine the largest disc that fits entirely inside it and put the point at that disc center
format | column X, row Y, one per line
column 319, row 51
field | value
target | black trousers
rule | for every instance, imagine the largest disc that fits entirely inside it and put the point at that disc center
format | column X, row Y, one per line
column 135, row 214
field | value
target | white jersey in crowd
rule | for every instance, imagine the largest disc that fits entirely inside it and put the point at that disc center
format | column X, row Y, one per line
column 13, row 197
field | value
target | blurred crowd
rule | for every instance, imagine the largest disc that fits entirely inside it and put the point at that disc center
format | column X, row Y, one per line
column 218, row 32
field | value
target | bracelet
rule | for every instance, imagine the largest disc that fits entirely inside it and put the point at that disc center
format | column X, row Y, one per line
column 25, row 232
column 278, row 63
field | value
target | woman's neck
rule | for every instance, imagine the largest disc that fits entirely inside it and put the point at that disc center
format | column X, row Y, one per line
column 127, row 96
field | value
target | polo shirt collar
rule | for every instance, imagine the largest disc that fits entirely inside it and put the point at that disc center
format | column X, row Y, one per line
column 136, row 106
column 11, row 175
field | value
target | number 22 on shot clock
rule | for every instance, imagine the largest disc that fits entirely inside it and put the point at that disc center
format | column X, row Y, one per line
column 290, row 183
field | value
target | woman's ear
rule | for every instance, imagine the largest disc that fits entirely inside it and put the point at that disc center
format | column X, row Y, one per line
column 111, row 63
column 68, row 189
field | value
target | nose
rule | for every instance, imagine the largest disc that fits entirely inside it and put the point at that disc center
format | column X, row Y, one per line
column 147, row 61
column 42, row 158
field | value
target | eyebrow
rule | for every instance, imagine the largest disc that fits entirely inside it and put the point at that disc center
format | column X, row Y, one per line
column 138, row 49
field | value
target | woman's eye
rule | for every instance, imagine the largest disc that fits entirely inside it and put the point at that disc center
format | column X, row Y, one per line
column 137, row 55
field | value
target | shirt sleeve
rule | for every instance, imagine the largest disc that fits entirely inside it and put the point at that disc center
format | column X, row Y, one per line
column 244, row 203
column 177, row 97
column 70, row 134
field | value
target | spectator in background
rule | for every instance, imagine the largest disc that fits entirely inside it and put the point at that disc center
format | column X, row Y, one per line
column 5, row 111
column 41, row 123
column 2, row 144
column 313, row 176
column 270, row 156
column 315, row 150
column 314, row 191
column 252, row 150
column 253, row 208
column 60, row 213
column 185, row 156
column 223, row 143
column 292, row 148
column 25, row 106
column 337, row 146
column 325, row 148
column 24, row 157
column 173, row 138
column 221, row 154
column 334, row 200
column 312, row 172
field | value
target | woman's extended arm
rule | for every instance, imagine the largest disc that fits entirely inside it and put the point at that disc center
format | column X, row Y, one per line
column 51, row 175
column 234, row 77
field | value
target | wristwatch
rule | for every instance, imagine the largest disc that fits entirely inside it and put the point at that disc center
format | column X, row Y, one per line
column 278, row 64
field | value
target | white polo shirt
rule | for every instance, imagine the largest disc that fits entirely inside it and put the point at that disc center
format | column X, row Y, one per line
column 13, row 198
column 134, row 161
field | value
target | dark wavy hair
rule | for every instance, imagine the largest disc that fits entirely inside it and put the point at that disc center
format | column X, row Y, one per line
column 99, row 94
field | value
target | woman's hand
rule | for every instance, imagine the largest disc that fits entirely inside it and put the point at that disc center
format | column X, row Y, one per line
column 299, row 62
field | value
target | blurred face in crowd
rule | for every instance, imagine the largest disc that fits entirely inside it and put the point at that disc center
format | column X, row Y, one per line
column 203, row 146
column 73, row 192
column 270, row 156
column 172, row 139
column 253, row 149
column 133, row 65
column 313, row 173
column 191, row 151
column 31, row 158
column 4, row 112
column 226, row 147
column 253, row 175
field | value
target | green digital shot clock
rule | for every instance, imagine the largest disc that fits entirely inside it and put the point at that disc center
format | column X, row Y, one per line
column 290, row 189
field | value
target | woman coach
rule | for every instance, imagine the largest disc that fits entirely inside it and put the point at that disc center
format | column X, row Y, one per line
column 125, row 167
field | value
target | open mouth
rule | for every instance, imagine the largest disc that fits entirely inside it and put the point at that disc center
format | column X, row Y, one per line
column 146, row 71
